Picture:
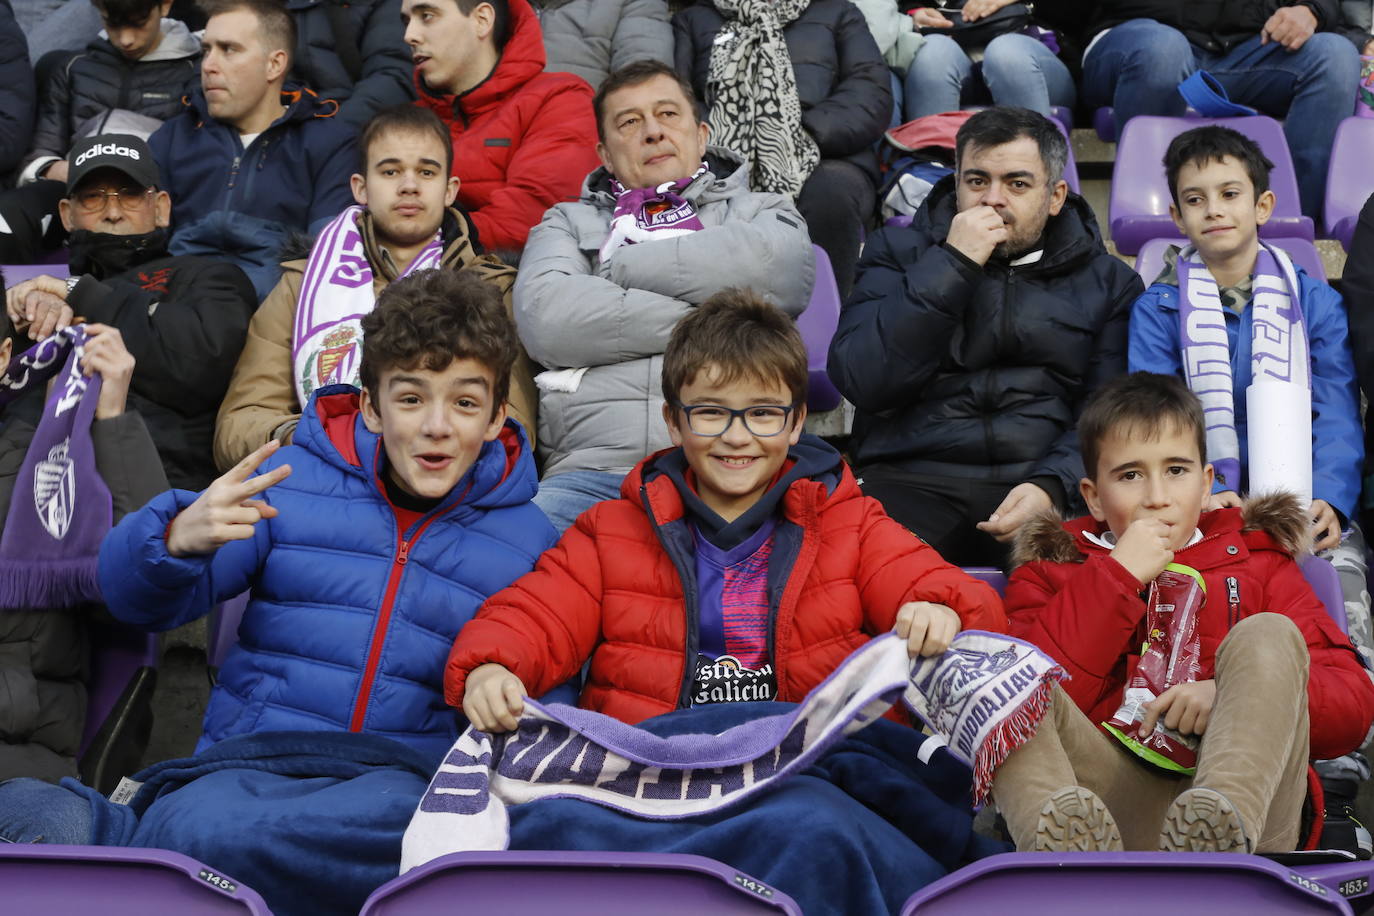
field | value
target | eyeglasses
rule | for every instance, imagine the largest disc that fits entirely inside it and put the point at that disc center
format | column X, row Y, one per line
column 92, row 200
column 713, row 420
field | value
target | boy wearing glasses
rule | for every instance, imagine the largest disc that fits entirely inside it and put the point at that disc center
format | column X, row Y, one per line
column 742, row 564
column 182, row 317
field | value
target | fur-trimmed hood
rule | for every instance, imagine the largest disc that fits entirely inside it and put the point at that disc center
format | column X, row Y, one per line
column 1278, row 517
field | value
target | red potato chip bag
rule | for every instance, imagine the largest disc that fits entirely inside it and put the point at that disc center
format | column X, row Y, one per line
column 1168, row 657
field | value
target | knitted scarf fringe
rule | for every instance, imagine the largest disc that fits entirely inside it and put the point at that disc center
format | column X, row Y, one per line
column 1009, row 734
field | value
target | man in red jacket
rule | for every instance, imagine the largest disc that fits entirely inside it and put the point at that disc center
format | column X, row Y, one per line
column 742, row 565
column 1278, row 682
column 523, row 139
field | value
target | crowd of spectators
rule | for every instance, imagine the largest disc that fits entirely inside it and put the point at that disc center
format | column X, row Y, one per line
column 351, row 269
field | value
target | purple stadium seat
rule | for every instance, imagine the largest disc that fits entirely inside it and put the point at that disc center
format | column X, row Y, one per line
column 991, row 575
column 1150, row 260
column 1326, row 582
column 817, row 325
column 520, row 883
column 117, row 882
column 119, row 711
column 224, row 629
column 1090, row 884
column 18, row 273
column 1350, row 180
column 1104, row 122
column 1140, row 194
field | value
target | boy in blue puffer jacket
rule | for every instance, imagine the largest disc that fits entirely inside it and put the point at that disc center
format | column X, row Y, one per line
column 367, row 544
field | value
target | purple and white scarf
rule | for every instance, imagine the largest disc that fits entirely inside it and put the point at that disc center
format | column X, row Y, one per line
column 646, row 214
column 60, row 509
column 336, row 293
column 1278, row 345
column 989, row 691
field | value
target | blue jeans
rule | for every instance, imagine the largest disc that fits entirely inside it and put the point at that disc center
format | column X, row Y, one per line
column 564, row 497
column 1017, row 70
column 33, row 811
column 1137, row 66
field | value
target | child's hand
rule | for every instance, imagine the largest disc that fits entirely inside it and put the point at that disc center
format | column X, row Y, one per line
column 1144, row 549
column 1226, row 499
column 1326, row 526
column 1185, row 708
column 928, row 628
column 225, row 511
column 493, row 699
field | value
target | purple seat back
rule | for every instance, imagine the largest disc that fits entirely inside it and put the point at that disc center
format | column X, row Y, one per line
column 117, row 654
column 1090, row 884
column 18, row 273
column 1326, row 582
column 117, row 882
column 515, row 883
column 224, row 628
column 817, row 326
column 1140, row 193
column 991, row 575
column 1150, row 261
column 1350, row 180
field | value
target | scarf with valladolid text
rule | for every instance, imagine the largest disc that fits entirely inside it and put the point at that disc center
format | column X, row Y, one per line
column 336, row 293
column 751, row 90
column 984, row 696
column 1278, row 345
column 60, row 509
column 646, row 214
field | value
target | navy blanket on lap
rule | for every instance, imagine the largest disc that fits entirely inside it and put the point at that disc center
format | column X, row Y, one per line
column 859, row 832
column 312, row 821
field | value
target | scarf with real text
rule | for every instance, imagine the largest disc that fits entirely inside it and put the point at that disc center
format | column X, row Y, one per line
column 336, row 293
column 60, row 509
column 984, row 696
column 646, row 214
column 1278, row 341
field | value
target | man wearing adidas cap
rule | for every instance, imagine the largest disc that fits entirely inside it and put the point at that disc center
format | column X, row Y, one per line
column 183, row 318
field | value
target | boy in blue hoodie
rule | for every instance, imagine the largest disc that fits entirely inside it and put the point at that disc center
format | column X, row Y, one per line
column 1228, row 286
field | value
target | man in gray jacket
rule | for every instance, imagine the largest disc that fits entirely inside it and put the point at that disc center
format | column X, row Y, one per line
column 665, row 223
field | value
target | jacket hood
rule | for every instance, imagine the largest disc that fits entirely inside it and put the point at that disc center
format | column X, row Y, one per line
column 331, row 428
column 1070, row 236
column 521, row 60
column 1279, row 517
column 814, row 473
column 177, row 43
column 725, row 175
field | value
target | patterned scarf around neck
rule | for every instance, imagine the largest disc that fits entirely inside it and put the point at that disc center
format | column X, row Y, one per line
column 752, row 91
column 336, row 293
column 1278, row 342
column 646, row 214
column 60, row 509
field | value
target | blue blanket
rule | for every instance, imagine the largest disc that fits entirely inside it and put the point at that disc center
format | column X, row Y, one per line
column 313, row 820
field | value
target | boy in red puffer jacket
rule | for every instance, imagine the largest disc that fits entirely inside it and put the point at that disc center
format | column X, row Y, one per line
column 744, row 564
column 1278, row 682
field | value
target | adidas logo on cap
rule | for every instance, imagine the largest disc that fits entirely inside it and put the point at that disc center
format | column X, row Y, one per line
column 106, row 149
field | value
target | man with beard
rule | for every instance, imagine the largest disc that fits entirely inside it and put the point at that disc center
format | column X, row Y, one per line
column 183, row 318
column 973, row 337
column 308, row 333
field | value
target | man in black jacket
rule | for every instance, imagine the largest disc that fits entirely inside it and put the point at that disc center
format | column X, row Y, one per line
column 1286, row 59
column 183, row 318
column 974, row 336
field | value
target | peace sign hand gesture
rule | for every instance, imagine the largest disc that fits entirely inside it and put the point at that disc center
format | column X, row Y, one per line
column 225, row 511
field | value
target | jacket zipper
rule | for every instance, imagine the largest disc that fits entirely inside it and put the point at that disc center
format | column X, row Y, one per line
column 689, row 605
column 374, row 652
column 1233, row 600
